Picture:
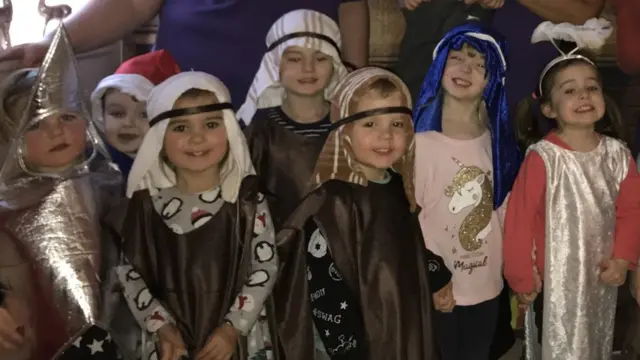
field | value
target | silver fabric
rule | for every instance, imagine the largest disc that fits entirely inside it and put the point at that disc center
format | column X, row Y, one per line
column 579, row 309
column 54, row 218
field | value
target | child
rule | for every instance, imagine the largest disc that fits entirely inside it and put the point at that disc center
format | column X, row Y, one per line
column 55, row 184
column 466, row 160
column 287, row 109
column 118, row 103
column 195, row 228
column 574, row 207
column 365, row 293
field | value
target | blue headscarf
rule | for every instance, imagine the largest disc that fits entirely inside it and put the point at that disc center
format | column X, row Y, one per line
column 428, row 109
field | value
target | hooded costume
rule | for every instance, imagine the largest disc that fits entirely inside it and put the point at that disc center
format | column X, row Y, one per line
column 428, row 110
column 283, row 157
column 359, row 244
column 53, row 259
column 135, row 77
column 597, row 193
column 208, row 258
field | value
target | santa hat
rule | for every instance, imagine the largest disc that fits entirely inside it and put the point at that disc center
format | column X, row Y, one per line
column 150, row 172
column 136, row 77
column 304, row 28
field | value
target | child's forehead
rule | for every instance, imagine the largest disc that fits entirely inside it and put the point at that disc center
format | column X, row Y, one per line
column 117, row 96
column 469, row 50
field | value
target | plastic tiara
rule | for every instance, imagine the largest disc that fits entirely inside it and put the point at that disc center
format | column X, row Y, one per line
column 592, row 35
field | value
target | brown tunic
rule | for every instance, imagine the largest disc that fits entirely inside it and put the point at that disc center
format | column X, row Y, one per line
column 378, row 249
column 284, row 162
column 195, row 275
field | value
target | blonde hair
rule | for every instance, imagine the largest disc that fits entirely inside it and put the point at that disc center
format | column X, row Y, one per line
column 382, row 87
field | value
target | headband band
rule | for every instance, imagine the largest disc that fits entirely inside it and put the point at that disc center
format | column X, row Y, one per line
column 304, row 34
column 373, row 112
column 190, row 111
column 559, row 59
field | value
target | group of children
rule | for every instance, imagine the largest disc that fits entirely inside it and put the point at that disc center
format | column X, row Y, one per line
column 342, row 223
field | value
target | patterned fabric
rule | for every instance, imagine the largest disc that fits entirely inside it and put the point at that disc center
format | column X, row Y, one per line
column 94, row 344
column 336, row 158
column 316, row 129
column 186, row 212
column 266, row 91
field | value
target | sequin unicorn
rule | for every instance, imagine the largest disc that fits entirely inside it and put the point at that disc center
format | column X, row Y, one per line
column 471, row 187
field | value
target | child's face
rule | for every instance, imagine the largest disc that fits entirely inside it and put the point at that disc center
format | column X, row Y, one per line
column 196, row 143
column 377, row 142
column 55, row 143
column 464, row 76
column 576, row 96
column 125, row 121
column 304, row 71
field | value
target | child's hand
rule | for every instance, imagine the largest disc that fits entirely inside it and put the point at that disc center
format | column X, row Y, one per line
column 221, row 345
column 443, row 299
column 412, row 4
column 614, row 271
column 526, row 299
column 10, row 337
column 171, row 345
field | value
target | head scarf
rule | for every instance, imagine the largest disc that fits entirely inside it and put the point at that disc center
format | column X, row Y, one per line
column 336, row 159
column 57, row 89
column 304, row 28
column 150, row 172
column 428, row 110
column 136, row 77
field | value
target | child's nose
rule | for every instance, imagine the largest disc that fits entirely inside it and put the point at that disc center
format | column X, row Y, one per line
column 53, row 127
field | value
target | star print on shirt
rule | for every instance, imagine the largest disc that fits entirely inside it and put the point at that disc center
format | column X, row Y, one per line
column 343, row 305
column 96, row 346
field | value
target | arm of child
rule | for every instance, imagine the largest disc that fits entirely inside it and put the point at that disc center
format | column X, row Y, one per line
column 264, row 269
column 627, row 238
column 525, row 200
column 146, row 309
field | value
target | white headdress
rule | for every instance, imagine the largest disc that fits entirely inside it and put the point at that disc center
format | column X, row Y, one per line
column 304, row 28
column 150, row 172
column 131, row 84
column 592, row 35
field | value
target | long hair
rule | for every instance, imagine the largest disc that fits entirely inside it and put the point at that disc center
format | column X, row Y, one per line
column 531, row 125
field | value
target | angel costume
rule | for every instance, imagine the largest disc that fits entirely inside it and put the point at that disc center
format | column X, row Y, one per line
column 283, row 150
column 598, row 193
column 135, row 77
column 366, row 293
column 207, row 258
column 52, row 259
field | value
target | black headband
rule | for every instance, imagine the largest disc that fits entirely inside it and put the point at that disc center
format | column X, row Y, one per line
column 304, row 34
column 373, row 112
column 190, row 111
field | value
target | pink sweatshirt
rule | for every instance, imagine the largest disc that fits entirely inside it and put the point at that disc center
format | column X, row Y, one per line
column 525, row 220
column 454, row 188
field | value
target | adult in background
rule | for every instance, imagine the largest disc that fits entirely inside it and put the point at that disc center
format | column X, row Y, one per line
column 225, row 38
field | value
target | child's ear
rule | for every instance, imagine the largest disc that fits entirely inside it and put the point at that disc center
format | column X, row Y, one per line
column 548, row 111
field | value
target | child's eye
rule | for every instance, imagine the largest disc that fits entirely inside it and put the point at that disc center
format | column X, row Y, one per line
column 117, row 114
column 179, row 128
column 67, row 117
column 144, row 115
column 368, row 124
column 212, row 124
column 294, row 59
column 398, row 124
column 570, row 91
column 322, row 58
column 593, row 88
column 481, row 66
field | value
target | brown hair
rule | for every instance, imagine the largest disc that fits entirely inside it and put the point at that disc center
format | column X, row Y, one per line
column 528, row 127
column 195, row 93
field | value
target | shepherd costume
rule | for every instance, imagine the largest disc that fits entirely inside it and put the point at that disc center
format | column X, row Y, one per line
column 208, row 258
column 136, row 77
column 366, row 292
column 53, row 260
column 283, row 151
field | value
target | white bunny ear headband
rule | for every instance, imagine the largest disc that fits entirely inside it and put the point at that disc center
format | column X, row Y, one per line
column 592, row 35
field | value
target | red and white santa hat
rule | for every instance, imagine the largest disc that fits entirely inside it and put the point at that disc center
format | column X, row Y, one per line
column 136, row 77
